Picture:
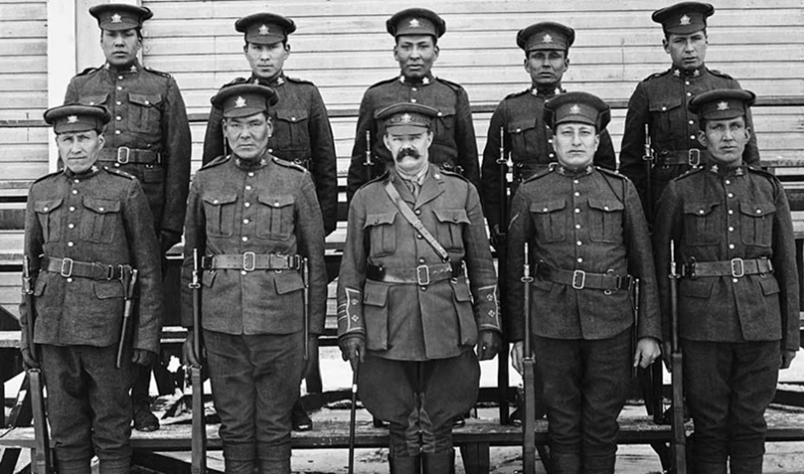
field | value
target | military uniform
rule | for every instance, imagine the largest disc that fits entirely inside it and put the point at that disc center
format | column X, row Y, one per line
column 84, row 232
column 417, row 312
column 737, row 299
column 253, row 221
column 660, row 102
column 454, row 144
column 588, row 242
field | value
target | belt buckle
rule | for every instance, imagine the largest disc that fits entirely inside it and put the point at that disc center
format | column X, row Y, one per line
column 110, row 272
column 423, row 271
column 121, row 160
column 67, row 267
column 578, row 274
column 694, row 157
column 737, row 267
column 249, row 261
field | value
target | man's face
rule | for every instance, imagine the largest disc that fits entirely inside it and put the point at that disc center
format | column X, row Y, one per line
column 79, row 150
column 725, row 140
column 415, row 55
column 546, row 67
column 120, row 47
column 575, row 144
column 687, row 52
column 266, row 60
column 248, row 136
column 410, row 151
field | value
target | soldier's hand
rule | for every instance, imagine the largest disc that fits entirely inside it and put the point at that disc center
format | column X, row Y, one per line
column 168, row 239
column 353, row 349
column 488, row 344
column 312, row 354
column 517, row 352
column 188, row 353
column 647, row 351
column 143, row 357
column 787, row 359
column 496, row 237
column 28, row 361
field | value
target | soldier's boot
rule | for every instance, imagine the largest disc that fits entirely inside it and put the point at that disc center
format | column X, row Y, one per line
column 115, row 466
column 439, row 463
column 144, row 420
column 747, row 465
column 405, row 464
column 73, row 466
column 565, row 463
column 275, row 466
column 239, row 466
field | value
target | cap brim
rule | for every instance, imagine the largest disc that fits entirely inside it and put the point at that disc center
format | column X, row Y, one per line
column 243, row 112
column 406, row 129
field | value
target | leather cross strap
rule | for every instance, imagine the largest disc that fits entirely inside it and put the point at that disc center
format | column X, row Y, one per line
column 407, row 212
column 736, row 267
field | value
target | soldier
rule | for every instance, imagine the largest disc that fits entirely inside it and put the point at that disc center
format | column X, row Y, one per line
column 659, row 103
column 302, row 133
column 416, row 31
column 148, row 138
column 406, row 311
column 738, row 293
column 86, row 230
column 519, row 116
column 589, row 241
column 254, row 218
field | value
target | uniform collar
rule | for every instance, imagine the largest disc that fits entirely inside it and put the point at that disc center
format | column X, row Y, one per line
column 133, row 68
column 426, row 80
column 573, row 172
column 726, row 171
column 86, row 174
column 547, row 91
column 250, row 165
column 277, row 80
column 694, row 73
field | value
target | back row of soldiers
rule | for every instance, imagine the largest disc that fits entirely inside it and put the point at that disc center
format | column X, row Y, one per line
column 255, row 215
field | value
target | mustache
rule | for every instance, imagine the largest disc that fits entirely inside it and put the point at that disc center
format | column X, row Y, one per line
column 412, row 152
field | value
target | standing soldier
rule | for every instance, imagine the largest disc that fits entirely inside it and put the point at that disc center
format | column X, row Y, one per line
column 589, row 241
column 302, row 133
column 406, row 311
column 86, row 231
column 148, row 138
column 254, row 220
column 416, row 31
column 738, row 293
column 659, row 105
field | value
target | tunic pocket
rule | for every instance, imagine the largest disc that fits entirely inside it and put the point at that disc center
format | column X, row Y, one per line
column 381, row 233
column 220, row 213
column 756, row 223
column 375, row 315
column 48, row 219
column 96, row 99
column 99, row 220
column 549, row 220
column 667, row 113
column 605, row 220
column 463, row 307
column 700, row 227
column 291, row 134
column 144, row 112
column 275, row 217
column 524, row 133
column 450, row 227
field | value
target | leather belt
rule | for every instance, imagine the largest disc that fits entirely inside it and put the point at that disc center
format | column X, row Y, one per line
column 580, row 279
column 124, row 155
column 68, row 267
column 422, row 275
column 691, row 157
column 251, row 261
column 736, row 267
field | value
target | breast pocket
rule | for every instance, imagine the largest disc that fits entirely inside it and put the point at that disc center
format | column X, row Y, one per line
column 291, row 137
column 605, row 220
column 99, row 220
column 94, row 99
column 220, row 214
column 667, row 113
column 382, row 237
column 550, row 220
column 699, row 223
column 523, row 139
column 449, row 231
column 144, row 112
column 275, row 216
column 756, row 223
column 49, row 219
column 445, row 123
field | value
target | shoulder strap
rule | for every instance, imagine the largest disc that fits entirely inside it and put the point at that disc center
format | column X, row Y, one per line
column 414, row 221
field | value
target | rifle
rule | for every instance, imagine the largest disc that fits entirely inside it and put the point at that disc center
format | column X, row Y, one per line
column 647, row 158
column 678, row 447
column 199, row 433
column 368, row 163
column 128, row 286
column 353, row 418
column 306, row 322
column 502, row 265
column 41, row 457
column 529, row 435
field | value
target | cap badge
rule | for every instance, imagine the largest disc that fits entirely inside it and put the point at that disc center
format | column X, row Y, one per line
column 72, row 119
column 406, row 118
column 116, row 18
column 723, row 105
column 547, row 38
column 684, row 20
column 414, row 23
column 240, row 102
column 575, row 109
column 263, row 30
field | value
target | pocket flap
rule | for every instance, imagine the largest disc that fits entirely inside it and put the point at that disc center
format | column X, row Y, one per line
column 45, row 207
column 375, row 294
column 696, row 288
column 208, row 278
column 769, row 284
column 220, row 199
column 39, row 285
column 699, row 208
column 548, row 206
column 757, row 209
column 455, row 216
column 519, row 126
column 97, row 99
column 445, row 111
column 108, row 289
column 146, row 100
column 276, row 201
column 665, row 104
column 288, row 282
column 293, row 115
column 462, row 291
column 101, row 206
column 606, row 206
column 386, row 218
